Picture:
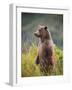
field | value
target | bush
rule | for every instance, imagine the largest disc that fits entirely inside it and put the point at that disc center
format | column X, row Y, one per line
column 29, row 68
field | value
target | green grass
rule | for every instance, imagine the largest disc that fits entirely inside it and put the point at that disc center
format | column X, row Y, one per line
column 29, row 68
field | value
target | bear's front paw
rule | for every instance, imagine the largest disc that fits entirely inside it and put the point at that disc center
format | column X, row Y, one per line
column 37, row 61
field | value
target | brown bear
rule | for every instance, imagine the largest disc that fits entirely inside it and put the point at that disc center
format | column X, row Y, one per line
column 45, row 57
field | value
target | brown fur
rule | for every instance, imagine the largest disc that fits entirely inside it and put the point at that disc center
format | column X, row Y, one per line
column 45, row 57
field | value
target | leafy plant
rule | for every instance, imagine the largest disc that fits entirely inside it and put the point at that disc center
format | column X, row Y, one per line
column 29, row 68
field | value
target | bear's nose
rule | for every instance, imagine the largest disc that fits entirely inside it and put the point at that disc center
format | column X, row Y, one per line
column 35, row 33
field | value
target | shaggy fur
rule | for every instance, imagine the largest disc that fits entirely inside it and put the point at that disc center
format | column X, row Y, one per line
column 45, row 57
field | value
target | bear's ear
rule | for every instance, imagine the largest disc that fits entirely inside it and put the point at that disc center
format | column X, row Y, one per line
column 45, row 27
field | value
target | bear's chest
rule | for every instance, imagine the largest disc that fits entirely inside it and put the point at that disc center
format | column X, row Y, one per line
column 45, row 50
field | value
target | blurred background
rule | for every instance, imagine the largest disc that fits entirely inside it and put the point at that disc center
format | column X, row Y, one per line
column 30, row 22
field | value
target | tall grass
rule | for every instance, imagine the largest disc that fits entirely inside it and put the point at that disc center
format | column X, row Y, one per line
column 29, row 67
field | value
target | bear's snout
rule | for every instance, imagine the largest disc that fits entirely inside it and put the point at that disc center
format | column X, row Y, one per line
column 37, row 34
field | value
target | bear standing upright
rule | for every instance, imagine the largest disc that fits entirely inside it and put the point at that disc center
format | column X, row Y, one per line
column 45, row 57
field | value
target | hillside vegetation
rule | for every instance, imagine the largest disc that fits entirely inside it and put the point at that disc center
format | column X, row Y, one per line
column 30, row 22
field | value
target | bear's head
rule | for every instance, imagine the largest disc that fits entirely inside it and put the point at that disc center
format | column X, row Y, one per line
column 42, row 32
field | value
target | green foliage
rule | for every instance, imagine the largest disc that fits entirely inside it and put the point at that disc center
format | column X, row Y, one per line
column 59, row 61
column 29, row 68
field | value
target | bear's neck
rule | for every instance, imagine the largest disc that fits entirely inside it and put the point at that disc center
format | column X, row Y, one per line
column 43, row 40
